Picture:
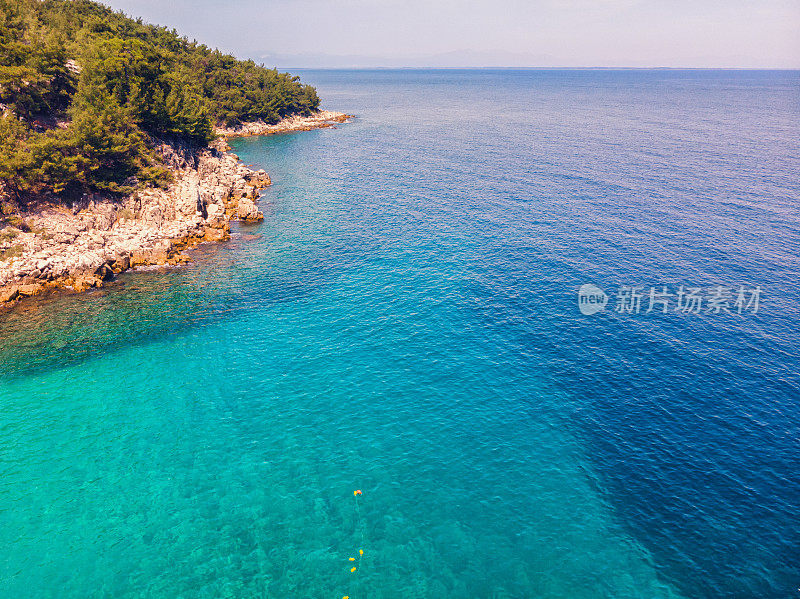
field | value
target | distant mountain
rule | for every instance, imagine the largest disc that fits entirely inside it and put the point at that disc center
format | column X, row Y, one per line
column 453, row 59
column 491, row 59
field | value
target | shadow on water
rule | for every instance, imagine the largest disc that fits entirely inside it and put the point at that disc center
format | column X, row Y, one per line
column 692, row 444
column 141, row 307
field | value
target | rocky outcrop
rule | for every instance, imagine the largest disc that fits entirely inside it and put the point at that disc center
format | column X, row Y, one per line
column 51, row 246
column 319, row 120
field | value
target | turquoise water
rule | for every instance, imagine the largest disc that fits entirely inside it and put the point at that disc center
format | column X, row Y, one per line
column 405, row 322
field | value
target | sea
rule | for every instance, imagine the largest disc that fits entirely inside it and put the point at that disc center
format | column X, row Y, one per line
column 505, row 334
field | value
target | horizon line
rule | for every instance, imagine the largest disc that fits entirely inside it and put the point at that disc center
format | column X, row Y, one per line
column 535, row 68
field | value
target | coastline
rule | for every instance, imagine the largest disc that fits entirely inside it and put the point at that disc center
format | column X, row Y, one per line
column 50, row 247
column 322, row 119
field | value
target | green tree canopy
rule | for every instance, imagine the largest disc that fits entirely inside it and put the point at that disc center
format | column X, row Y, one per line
column 86, row 91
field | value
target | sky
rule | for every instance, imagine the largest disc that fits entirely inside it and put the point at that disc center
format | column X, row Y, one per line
column 489, row 33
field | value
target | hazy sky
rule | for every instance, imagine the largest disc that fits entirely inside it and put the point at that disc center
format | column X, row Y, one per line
column 672, row 33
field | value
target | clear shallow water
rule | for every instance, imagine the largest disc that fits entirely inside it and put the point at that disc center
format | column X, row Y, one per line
column 407, row 324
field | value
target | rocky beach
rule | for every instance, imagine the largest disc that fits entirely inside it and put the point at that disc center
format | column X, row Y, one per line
column 321, row 119
column 48, row 246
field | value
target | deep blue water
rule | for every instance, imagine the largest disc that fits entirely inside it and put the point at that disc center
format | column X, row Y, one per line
column 405, row 322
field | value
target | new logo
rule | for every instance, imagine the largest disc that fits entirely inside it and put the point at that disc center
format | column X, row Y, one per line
column 591, row 299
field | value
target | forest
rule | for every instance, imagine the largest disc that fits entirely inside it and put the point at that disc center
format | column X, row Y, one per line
column 87, row 93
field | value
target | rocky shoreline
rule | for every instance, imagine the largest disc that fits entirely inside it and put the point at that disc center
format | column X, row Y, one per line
column 322, row 119
column 49, row 246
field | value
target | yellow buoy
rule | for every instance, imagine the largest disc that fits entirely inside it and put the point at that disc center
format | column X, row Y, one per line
column 353, row 569
column 360, row 552
column 352, row 559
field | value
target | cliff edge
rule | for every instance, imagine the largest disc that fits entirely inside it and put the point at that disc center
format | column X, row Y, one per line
column 50, row 246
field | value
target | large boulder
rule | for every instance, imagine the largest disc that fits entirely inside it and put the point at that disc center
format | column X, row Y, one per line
column 8, row 294
column 248, row 211
column 216, row 234
column 187, row 201
column 158, row 254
